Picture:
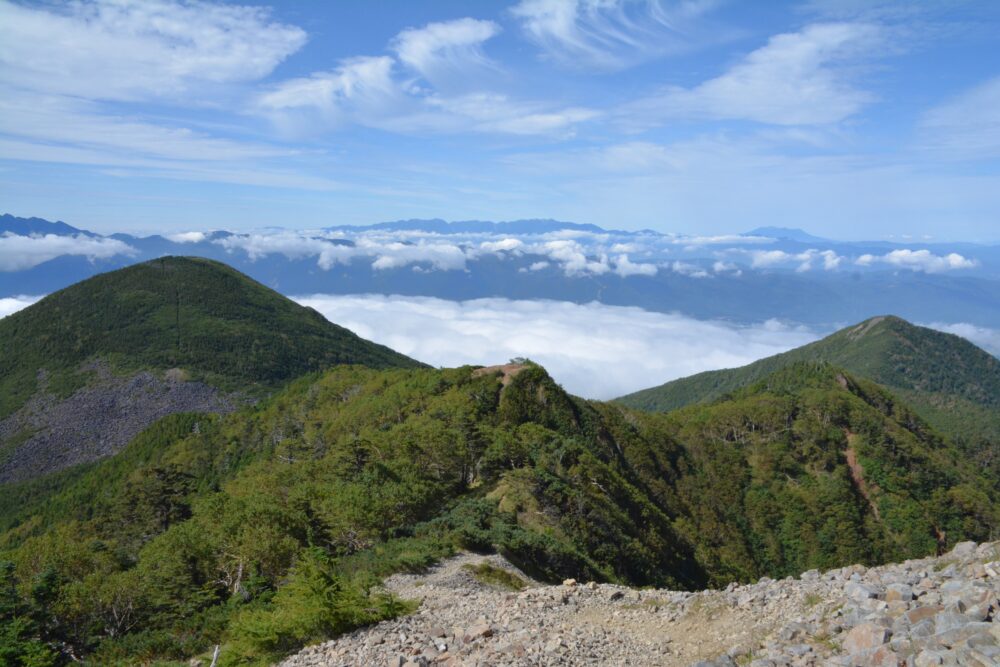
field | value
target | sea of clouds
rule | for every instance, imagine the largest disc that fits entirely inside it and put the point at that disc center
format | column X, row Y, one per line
column 593, row 350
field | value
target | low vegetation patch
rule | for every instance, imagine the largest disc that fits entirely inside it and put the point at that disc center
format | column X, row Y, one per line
column 491, row 575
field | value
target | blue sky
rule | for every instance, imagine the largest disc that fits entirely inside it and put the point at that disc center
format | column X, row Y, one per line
column 850, row 119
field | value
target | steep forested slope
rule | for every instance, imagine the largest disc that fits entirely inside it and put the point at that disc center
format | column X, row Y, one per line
column 952, row 383
column 199, row 316
column 266, row 529
column 87, row 368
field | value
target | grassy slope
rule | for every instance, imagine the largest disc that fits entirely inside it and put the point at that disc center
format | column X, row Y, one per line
column 357, row 473
column 213, row 322
column 952, row 383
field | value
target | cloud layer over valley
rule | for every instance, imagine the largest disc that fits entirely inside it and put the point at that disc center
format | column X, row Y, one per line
column 593, row 350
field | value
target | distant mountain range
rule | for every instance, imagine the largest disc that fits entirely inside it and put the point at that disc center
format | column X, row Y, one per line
column 438, row 226
column 768, row 273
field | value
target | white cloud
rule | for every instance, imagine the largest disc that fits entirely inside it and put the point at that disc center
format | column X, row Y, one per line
column 690, row 270
column 292, row 245
column 535, row 266
column 384, row 254
column 831, row 260
column 64, row 67
column 593, row 350
column 919, row 260
column 441, row 51
column 357, row 89
column 624, row 267
column 502, row 245
column 186, row 237
column 367, row 91
column 11, row 304
column 804, row 260
column 493, row 112
column 133, row 50
column 766, row 258
column 607, row 34
column 792, row 80
column 441, row 256
column 23, row 252
column 572, row 257
column 984, row 337
column 726, row 267
column 967, row 126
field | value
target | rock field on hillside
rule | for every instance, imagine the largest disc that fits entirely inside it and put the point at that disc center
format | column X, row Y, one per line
column 97, row 420
column 933, row 611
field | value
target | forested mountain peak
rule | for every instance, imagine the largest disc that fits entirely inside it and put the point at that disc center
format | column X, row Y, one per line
column 196, row 315
column 86, row 368
column 948, row 380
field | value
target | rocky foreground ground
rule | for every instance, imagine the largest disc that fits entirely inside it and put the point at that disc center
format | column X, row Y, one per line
column 934, row 611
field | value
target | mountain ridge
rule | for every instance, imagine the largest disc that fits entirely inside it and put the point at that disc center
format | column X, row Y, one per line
column 266, row 529
column 937, row 372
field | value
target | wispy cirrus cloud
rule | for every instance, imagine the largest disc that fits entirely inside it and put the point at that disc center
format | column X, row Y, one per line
column 441, row 51
column 358, row 90
column 610, row 34
column 79, row 82
column 375, row 91
column 69, row 121
column 966, row 126
column 795, row 79
column 136, row 50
